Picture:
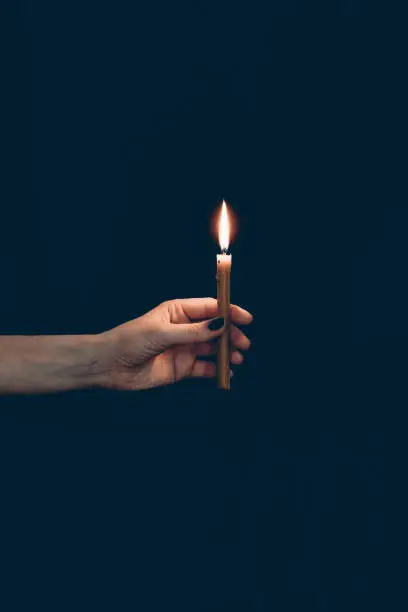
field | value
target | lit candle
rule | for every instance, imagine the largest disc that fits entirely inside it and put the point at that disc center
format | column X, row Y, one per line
column 224, row 262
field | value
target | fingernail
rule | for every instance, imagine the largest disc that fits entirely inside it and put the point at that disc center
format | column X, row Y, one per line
column 216, row 323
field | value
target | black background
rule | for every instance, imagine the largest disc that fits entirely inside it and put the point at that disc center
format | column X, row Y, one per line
column 125, row 126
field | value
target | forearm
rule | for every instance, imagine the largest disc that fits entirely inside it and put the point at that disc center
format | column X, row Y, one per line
column 45, row 364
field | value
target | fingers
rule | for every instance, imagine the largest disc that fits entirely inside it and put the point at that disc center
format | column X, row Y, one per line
column 199, row 308
column 205, row 349
column 180, row 332
column 207, row 308
column 239, row 315
column 239, row 339
column 191, row 333
column 236, row 357
column 205, row 369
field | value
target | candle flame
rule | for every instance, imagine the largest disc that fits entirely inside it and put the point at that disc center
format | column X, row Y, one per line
column 224, row 228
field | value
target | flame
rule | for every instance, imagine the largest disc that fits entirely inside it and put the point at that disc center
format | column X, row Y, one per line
column 224, row 228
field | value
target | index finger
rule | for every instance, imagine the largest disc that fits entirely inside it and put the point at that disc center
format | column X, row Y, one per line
column 239, row 315
column 206, row 308
column 199, row 308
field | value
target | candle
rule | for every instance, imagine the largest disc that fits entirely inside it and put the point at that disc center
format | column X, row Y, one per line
column 224, row 262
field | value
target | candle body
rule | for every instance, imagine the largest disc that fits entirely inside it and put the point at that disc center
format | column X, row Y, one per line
column 224, row 263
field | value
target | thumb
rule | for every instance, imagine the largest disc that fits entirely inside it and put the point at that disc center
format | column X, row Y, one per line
column 193, row 332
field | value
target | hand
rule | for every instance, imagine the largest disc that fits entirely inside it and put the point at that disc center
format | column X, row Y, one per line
column 163, row 346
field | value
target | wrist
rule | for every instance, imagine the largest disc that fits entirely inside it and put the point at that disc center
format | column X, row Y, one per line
column 99, row 360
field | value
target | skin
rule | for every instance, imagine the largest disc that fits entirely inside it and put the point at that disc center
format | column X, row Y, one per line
column 159, row 348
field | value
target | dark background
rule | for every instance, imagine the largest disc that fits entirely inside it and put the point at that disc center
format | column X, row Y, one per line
column 124, row 127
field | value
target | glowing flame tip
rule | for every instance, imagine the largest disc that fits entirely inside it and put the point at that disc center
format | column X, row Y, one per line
column 224, row 231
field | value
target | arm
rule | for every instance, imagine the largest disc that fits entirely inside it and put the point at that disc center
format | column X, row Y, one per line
column 44, row 364
column 161, row 347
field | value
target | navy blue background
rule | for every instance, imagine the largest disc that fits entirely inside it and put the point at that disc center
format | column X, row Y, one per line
column 124, row 127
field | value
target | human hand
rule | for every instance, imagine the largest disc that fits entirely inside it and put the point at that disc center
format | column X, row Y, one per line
column 163, row 346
